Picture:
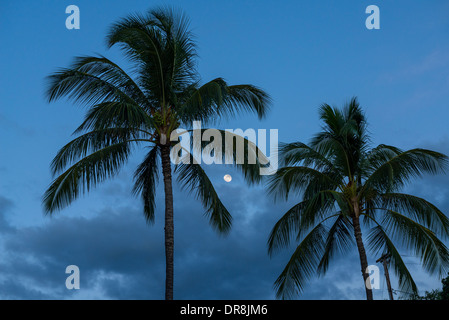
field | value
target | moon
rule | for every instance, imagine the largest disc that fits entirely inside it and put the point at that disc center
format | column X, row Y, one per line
column 227, row 178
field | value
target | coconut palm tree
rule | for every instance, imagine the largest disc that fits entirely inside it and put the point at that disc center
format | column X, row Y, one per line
column 143, row 107
column 345, row 185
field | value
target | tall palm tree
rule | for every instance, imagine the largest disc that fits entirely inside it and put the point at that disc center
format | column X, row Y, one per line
column 144, row 107
column 344, row 183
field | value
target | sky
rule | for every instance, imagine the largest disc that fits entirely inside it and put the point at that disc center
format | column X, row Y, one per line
column 303, row 53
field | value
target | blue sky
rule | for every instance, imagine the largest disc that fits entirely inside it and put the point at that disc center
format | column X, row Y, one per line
column 303, row 53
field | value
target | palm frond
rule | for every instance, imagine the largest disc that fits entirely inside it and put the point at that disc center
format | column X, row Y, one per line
column 419, row 209
column 432, row 251
column 192, row 177
column 247, row 98
column 145, row 183
column 91, row 142
column 297, row 153
column 302, row 216
column 201, row 103
column 216, row 99
column 282, row 232
column 393, row 173
column 116, row 114
column 380, row 243
column 330, row 147
column 302, row 264
column 339, row 240
column 85, row 174
column 381, row 154
column 297, row 179
column 236, row 149
column 92, row 80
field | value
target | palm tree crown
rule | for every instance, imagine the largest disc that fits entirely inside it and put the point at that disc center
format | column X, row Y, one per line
column 143, row 107
column 342, row 182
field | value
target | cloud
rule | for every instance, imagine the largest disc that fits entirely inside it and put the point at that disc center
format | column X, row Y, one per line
column 11, row 125
column 434, row 61
column 112, row 243
column 120, row 256
column 434, row 188
column 5, row 206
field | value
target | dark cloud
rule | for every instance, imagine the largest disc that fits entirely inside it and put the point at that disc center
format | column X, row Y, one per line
column 115, row 243
column 120, row 256
column 5, row 206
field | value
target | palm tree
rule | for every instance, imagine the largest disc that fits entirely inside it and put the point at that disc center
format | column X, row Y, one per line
column 344, row 183
column 144, row 107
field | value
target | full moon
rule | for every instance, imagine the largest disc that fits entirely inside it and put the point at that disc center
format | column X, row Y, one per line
column 227, row 178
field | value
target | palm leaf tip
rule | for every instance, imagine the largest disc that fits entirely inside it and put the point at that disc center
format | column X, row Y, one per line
column 250, row 98
column 303, row 263
column 192, row 177
column 85, row 174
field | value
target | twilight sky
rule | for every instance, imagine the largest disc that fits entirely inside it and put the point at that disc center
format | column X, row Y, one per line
column 303, row 53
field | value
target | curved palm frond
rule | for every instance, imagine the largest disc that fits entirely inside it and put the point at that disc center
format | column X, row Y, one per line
column 299, row 178
column 245, row 97
column 297, row 152
column 432, row 251
column 302, row 264
column 91, row 142
column 231, row 148
column 419, row 209
column 216, row 99
column 382, row 153
column 289, row 223
column 85, row 174
column 339, row 240
column 379, row 242
column 320, row 205
column 142, row 43
column 390, row 175
column 117, row 115
column 302, row 216
column 326, row 144
column 109, row 71
column 199, row 103
column 192, row 177
column 146, row 177
column 92, row 80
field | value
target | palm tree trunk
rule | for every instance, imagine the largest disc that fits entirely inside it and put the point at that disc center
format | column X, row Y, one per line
column 362, row 254
column 169, row 225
